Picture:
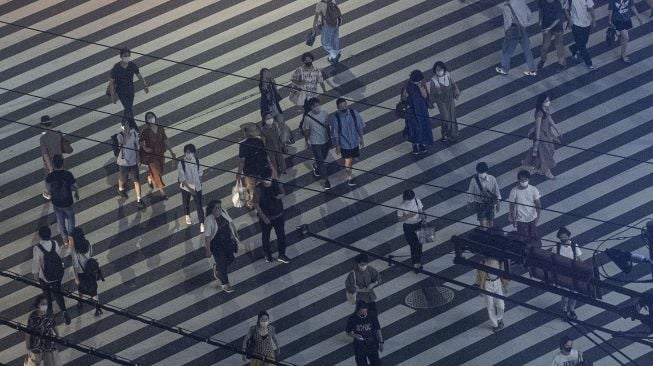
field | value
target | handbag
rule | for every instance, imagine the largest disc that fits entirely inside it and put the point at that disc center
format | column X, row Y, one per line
column 249, row 346
column 487, row 197
column 400, row 109
column 329, row 143
column 239, row 194
column 108, row 94
column 66, row 147
column 310, row 38
column 611, row 37
column 351, row 297
column 426, row 233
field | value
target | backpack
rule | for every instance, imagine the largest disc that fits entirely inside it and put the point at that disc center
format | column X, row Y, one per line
column 59, row 190
column 92, row 268
column 52, row 264
column 115, row 145
column 332, row 17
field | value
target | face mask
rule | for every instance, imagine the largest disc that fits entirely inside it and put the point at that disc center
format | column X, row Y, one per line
column 363, row 267
column 482, row 175
column 269, row 121
column 189, row 155
column 567, row 349
column 547, row 103
column 362, row 315
column 125, row 59
column 150, row 120
column 308, row 63
column 440, row 72
column 524, row 184
column 43, row 308
column 265, row 324
column 122, row 127
column 316, row 110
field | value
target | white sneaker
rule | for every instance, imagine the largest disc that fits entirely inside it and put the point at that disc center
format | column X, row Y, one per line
column 227, row 288
column 46, row 195
column 201, row 227
column 188, row 222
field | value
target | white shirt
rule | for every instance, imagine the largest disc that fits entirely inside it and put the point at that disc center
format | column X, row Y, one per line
column 565, row 251
column 409, row 207
column 192, row 174
column 128, row 155
column 211, row 227
column 37, row 256
column 570, row 360
column 524, row 199
column 580, row 15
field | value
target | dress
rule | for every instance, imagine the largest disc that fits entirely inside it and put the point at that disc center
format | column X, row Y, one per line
column 155, row 160
column 543, row 159
column 274, row 146
column 443, row 92
column 418, row 124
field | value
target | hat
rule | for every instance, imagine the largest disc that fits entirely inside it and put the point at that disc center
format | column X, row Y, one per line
column 250, row 129
column 45, row 120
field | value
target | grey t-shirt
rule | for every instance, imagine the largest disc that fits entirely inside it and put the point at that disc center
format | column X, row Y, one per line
column 318, row 133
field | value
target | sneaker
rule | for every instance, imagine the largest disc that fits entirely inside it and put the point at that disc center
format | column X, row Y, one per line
column 572, row 315
column 315, row 172
column 500, row 70
column 337, row 59
column 422, row 149
column 530, row 73
column 283, row 259
column 98, row 312
column 574, row 55
column 540, row 65
column 188, row 222
column 140, row 204
column 215, row 274
column 46, row 195
column 351, row 182
column 122, row 194
column 501, row 324
column 201, row 227
column 326, row 185
column 268, row 258
column 66, row 317
column 590, row 67
column 415, row 149
column 226, row 288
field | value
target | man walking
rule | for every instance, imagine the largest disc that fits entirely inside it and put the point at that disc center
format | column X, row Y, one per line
column 581, row 13
column 50, row 142
column 525, row 209
column 364, row 328
column 516, row 16
column 47, row 267
column 552, row 17
column 61, row 186
column 568, row 249
column 347, row 134
column 269, row 207
column 484, row 195
column 495, row 285
column 305, row 80
column 129, row 159
column 327, row 14
column 361, row 281
column 317, row 136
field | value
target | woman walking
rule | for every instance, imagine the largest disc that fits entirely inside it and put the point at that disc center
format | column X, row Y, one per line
column 410, row 213
column 85, row 276
column 41, row 350
column 121, row 84
column 619, row 14
column 418, row 123
column 273, row 143
column 545, row 134
column 270, row 103
column 220, row 237
column 444, row 92
column 261, row 341
column 154, row 143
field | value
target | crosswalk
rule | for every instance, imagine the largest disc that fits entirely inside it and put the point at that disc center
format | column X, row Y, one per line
column 153, row 262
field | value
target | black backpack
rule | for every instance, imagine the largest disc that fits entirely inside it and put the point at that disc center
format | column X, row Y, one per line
column 59, row 190
column 52, row 264
column 92, row 268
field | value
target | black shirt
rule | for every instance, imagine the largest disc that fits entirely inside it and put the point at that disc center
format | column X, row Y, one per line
column 253, row 151
column 620, row 10
column 550, row 13
column 60, row 184
column 124, row 77
column 267, row 201
column 367, row 326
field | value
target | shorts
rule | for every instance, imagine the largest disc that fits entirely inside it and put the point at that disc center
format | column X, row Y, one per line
column 349, row 153
column 484, row 211
column 126, row 171
column 622, row 24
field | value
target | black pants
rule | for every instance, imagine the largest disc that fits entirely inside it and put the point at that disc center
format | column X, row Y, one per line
column 364, row 352
column 127, row 101
column 279, row 229
column 222, row 262
column 52, row 289
column 197, row 197
column 581, row 36
column 320, row 153
column 415, row 246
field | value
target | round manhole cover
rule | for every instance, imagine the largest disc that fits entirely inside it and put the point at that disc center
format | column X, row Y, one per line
column 429, row 297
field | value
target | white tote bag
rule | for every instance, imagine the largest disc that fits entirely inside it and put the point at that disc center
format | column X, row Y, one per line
column 239, row 195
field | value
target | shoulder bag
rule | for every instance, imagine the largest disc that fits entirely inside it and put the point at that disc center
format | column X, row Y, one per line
column 351, row 296
column 329, row 143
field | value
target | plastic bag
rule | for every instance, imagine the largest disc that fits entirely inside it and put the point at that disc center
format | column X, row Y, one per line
column 239, row 195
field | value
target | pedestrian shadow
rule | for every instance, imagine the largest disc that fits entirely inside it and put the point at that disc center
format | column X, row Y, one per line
column 339, row 75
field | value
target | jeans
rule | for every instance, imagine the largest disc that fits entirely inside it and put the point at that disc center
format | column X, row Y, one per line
column 53, row 289
column 413, row 242
column 581, row 36
column 508, row 48
column 568, row 304
column 66, row 220
column 320, row 153
column 127, row 101
column 279, row 229
column 366, row 351
column 559, row 46
column 330, row 40
column 185, row 199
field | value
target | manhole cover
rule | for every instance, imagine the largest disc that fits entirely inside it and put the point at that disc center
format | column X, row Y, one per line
column 429, row 297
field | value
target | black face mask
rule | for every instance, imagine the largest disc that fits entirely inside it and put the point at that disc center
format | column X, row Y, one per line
column 567, row 349
column 308, row 63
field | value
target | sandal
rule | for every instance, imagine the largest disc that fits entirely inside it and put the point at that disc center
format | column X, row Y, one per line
column 626, row 59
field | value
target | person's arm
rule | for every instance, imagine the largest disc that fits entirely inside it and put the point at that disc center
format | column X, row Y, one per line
column 307, row 132
column 280, row 192
column 316, row 19
column 350, row 286
column 536, row 140
column 376, row 279
column 610, row 11
column 456, row 90
column 112, row 89
column 591, row 11
column 46, row 157
column 511, row 206
column 36, row 262
column 241, row 166
column 555, row 22
column 207, row 242
column 538, row 208
column 350, row 331
column 633, row 8
column 141, row 78
column 245, row 340
column 296, row 77
column 379, row 334
column 497, row 193
column 473, row 192
column 403, row 215
column 169, row 148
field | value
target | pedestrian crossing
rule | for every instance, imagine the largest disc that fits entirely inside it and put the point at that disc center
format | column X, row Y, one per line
column 154, row 264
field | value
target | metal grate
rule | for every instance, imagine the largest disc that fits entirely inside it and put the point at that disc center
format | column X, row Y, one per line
column 429, row 297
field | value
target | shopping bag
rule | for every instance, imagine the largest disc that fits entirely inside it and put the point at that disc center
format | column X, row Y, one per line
column 426, row 233
column 310, row 38
column 239, row 195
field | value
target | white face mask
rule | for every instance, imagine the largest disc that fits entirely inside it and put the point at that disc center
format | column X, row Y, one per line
column 189, row 156
column 363, row 267
column 440, row 72
column 265, row 323
column 43, row 308
column 547, row 103
column 122, row 127
column 524, row 184
column 269, row 121
column 316, row 110
column 482, row 175
column 125, row 59
column 150, row 120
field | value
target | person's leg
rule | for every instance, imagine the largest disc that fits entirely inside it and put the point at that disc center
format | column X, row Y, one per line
column 129, row 108
column 326, row 39
column 575, row 32
column 584, row 34
column 564, row 303
column 360, row 355
column 560, row 47
column 279, row 225
column 70, row 221
column 319, row 160
column 546, row 45
column 156, row 173
column 197, row 197
column 532, row 232
column 522, row 231
column 137, row 181
column 122, row 177
column 491, row 310
column 349, row 163
column 373, row 355
column 623, row 38
column 499, row 304
column 58, row 296
column 413, row 242
column 250, row 186
column 525, row 42
column 185, row 201
column 222, row 265
column 47, row 290
column 61, row 222
column 507, row 48
column 265, row 238
column 335, row 44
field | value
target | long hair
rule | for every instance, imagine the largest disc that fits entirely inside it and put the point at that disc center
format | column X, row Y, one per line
column 539, row 103
column 81, row 244
column 260, row 77
column 211, row 205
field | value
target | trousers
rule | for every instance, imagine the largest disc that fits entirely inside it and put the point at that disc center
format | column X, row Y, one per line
column 52, row 289
column 495, row 307
column 320, row 153
column 197, row 197
column 508, row 48
column 127, row 101
column 66, row 220
column 410, row 233
column 364, row 352
column 280, row 231
column 46, row 358
column 581, row 36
